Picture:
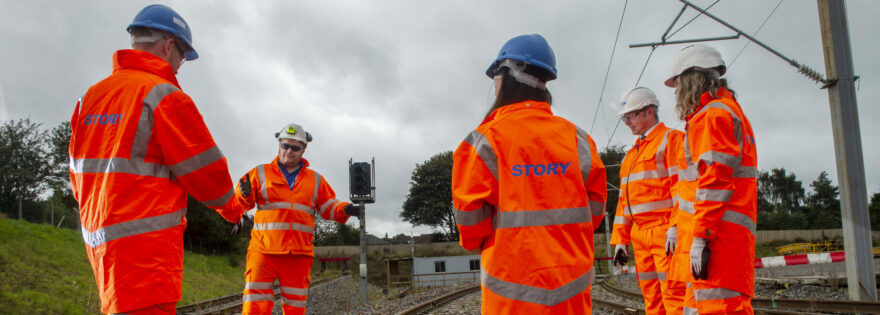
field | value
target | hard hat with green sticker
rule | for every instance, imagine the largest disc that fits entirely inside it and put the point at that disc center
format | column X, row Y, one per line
column 291, row 130
column 294, row 132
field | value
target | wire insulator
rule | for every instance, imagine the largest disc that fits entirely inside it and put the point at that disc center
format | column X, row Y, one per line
column 812, row 74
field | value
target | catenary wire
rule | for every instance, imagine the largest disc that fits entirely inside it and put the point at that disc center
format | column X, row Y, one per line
column 756, row 33
column 608, row 69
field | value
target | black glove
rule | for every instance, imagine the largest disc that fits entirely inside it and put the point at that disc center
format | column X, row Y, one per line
column 352, row 210
column 244, row 185
column 238, row 226
column 620, row 255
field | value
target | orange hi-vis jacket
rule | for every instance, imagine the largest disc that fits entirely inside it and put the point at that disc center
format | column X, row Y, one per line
column 529, row 189
column 718, row 192
column 138, row 146
column 284, row 222
column 647, row 174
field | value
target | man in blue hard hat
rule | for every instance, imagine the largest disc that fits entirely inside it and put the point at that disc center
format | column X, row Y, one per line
column 131, row 177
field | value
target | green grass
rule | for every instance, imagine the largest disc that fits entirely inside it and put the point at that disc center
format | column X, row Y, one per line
column 44, row 270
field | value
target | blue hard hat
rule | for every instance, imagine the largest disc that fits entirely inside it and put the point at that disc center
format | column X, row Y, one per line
column 531, row 49
column 163, row 18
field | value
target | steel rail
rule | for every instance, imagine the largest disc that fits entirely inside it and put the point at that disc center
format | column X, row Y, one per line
column 233, row 302
column 437, row 302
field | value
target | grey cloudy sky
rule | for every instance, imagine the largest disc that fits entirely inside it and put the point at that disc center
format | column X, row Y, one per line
column 402, row 80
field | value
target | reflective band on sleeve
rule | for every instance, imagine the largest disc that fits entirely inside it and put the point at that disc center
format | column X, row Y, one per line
column 661, row 276
column 145, row 123
column 622, row 220
column 686, row 206
column 293, row 303
column 547, row 297
column 257, row 297
column 526, row 218
column 651, row 206
column 196, row 162
column 261, row 174
column 274, row 205
column 258, row 286
column 650, row 275
column 720, row 195
column 295, row 291
column 585, row 158
column 714, row 294
column 219, row 202
column 317, row 184
column 119, row 165
column 329, row 204
column 484, row 150
column 469, row 218
column 745, row 172
column 710, row 157
column 689, row 311
column 133, row 227
column 597, row 208
column 689, row 174
column 739, row 219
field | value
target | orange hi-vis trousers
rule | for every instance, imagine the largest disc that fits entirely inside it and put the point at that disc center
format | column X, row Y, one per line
column 292, row 272
column 652, row 264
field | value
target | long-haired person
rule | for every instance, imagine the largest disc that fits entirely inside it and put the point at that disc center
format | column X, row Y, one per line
column 529, row 189
column 717, row 187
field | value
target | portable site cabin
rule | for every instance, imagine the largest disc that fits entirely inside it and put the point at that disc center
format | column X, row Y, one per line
column 449, row 270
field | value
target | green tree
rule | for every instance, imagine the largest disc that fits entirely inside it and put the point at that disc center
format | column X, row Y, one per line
column 612, row 156
column 59, row 160
column 874, row 211
column 823, row 204
column 24, row 166
column 429, row 201
column 208, row 233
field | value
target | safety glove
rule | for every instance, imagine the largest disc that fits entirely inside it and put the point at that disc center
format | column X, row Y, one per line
column 700, row 259
column 238, row 226
column 244, row 186
column 620, row 255
column 671, row 240
column 352, row 210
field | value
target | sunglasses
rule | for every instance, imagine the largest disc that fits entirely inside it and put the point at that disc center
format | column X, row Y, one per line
column 629, row 116
column 294, row 148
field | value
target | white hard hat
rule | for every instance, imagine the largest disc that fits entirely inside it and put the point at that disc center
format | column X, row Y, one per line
column 294, row 132
column 699, row 57
column 636, row 99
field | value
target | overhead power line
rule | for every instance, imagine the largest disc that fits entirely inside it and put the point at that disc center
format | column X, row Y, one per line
column 608, row 69
column 756, row 33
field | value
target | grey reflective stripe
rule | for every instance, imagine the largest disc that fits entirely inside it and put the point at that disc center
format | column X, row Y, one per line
column 584, row 155
column 714, row 294
column 294, row 291
column 304, row 208
column 651, row 206
column 196, row 162
column 293, row 303
column 686, row 206
column 689, row 311
column 547, row 297
column 258, row 286
column 597, row 208
column 672, row 170
column 317, row 184
column 119, row 165
column 219, row 202
column 731, row 161
column 660, row 156
column 661, row 276
column 469, row 218
column 689, row 284
column 328, row 205
column 257, row 297
column 274, row 226
column 133, row 227
column 714, row 195
column 273, row 205
column 650, row 275
column 743, row 171
column 145, row 123
column 527, row 218
column 484, row 150
column 740, row 219
column 689, row 174
column 622, row 220
column 261, row 173
column 648, row 174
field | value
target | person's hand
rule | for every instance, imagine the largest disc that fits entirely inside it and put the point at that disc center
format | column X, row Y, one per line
column 620, row 255
column 238, row 226
column 700, row 259
column 671, row 240
column 244, row 186
column 352, row 210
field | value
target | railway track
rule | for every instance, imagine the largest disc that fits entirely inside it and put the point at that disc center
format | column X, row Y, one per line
column 779, row 306
column 231, row 304
column 439, row 301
